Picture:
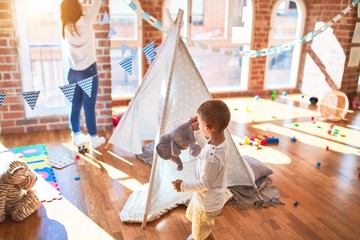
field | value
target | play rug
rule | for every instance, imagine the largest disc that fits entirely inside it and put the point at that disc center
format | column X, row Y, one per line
column 37, row 158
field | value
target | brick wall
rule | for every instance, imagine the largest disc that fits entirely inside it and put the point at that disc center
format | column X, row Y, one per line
column 12, row 113
column 340, row 38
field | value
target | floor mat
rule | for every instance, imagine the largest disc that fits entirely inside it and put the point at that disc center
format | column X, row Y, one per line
column 37, row 158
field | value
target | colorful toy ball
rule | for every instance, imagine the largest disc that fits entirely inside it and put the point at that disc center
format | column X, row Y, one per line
column 313, row 100
column 296, row 203
column 284, row 93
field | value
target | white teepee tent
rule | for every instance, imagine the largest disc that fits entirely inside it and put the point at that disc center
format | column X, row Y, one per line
column 170, row 94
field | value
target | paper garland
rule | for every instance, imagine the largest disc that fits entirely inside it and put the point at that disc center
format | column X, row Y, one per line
column 127, row 64
column 149, row 52
column 251, row 53
column 105, row 19
column 86, row 85
column 68, row 91
column 31, row 98
column 2, row 98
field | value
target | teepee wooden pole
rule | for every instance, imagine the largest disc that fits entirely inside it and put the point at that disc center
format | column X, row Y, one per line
column 163, row 119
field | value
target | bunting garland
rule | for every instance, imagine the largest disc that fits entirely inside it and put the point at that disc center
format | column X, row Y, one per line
column 105, row 19
column 112, row 32
column 127, row 64
column 31, row 98
column 149, row 52
column 134, row 52
column 157, row 49
column 2, row 97
column 123, row 48
column 68, row 91
column 249, row 53
column 86, row 85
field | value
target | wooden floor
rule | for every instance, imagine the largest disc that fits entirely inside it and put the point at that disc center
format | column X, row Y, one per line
column 328, row 196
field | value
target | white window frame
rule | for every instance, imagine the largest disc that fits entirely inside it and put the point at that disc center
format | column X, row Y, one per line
column 227, row 41
column 295, row 64
column 134, row 42
column 26, row 69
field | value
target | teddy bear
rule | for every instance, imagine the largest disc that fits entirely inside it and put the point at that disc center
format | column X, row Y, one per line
column 171, row 144
column 17, row 199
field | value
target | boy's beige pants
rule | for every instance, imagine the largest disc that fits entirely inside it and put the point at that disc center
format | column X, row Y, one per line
column 201, row 221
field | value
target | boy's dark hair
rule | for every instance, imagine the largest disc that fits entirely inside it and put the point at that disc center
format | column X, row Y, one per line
column 215, row 113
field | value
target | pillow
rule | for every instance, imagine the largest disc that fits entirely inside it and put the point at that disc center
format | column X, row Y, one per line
column 260, row 169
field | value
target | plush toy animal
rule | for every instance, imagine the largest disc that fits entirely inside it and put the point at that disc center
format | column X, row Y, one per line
column 171, row 144
column 17, row 199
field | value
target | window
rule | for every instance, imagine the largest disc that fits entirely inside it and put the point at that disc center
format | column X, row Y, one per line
column 225, row 25
column 126, row 24
column 38, row 25
column 286, row 25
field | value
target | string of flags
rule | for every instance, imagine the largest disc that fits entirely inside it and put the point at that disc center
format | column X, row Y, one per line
column 150, row 50
column 31, row 97
column 247, row 53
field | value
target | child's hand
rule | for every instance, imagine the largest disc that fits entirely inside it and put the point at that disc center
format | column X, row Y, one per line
column 194, row 123
column 177, row 185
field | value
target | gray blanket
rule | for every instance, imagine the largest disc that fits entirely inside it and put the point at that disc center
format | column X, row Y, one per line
column 244, row 197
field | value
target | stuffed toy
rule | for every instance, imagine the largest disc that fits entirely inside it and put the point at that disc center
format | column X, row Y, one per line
column 171, row 144
column 17, row 199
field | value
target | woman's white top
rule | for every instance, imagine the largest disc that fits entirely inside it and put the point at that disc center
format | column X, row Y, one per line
column 81, row 52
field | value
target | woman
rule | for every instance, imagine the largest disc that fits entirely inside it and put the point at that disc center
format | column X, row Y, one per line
column 79, row 35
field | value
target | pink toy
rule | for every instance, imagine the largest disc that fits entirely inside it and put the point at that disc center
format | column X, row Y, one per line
column 355, row 103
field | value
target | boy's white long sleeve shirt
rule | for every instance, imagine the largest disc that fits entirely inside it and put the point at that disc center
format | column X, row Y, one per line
column 210, row 182
column 81, row 52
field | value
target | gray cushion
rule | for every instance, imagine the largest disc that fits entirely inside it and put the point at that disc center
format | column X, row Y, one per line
column 259, row 168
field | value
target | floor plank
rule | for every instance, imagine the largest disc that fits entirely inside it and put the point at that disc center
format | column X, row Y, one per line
column 328, row 195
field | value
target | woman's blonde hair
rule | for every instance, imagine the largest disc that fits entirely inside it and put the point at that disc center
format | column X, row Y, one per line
column 71, row 11
column 215, row 113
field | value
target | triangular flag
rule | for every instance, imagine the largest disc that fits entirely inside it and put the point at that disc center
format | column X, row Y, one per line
column 31, row 98
column 86, row 85
column 134, row 51
column 149, row 52
column 2, row 98
column 105, row 19
column 124, row 48
column 68, row 91
column 112, row 32
column 157, row 49
column 127, row 64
